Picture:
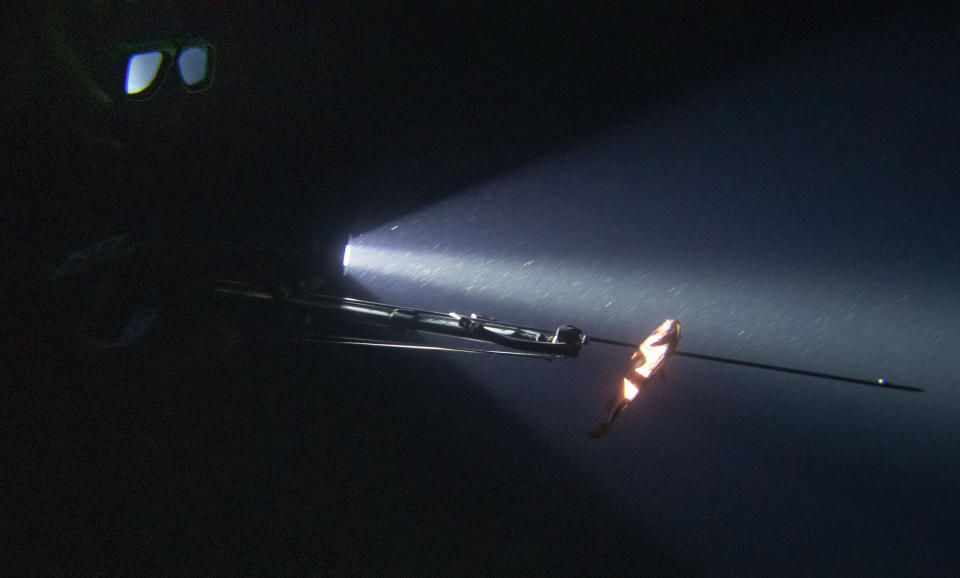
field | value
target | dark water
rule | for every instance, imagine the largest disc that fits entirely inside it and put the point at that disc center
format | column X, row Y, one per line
column 781, row 181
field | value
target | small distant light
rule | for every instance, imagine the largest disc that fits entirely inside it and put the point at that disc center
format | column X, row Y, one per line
column 346, row 257
column 881, row 381
column 394, row 228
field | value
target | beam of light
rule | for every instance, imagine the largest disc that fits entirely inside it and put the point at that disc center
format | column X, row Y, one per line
column 734, row 314
column 472, row 278
column 745, row 223
column 630, row 390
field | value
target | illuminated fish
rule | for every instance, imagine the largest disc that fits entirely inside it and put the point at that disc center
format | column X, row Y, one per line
column 647, row 361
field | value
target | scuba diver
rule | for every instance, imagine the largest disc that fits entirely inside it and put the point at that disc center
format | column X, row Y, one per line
column 112, row 142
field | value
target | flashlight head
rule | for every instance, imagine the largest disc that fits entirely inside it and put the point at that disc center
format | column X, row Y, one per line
column 347, row 249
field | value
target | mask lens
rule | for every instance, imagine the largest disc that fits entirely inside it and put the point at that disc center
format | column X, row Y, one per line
column 193, row 66
column 142, row 70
